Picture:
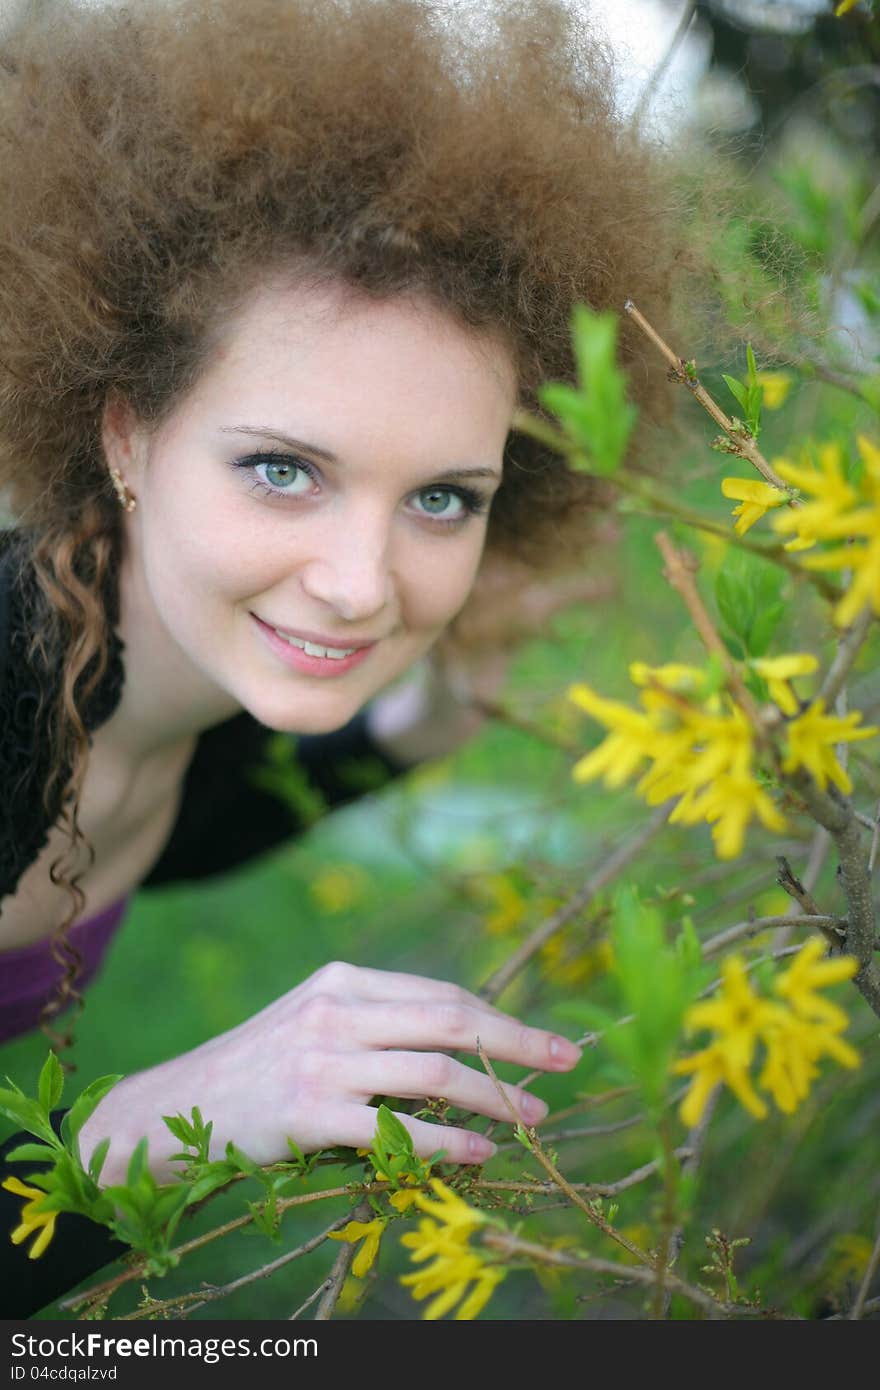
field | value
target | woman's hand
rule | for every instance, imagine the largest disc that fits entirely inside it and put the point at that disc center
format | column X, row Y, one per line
column 308, row 1065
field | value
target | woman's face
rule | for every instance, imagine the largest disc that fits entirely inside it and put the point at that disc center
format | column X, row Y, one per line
column 312, row 515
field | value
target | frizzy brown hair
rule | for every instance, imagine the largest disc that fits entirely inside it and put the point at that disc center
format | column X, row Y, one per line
column 158, row 161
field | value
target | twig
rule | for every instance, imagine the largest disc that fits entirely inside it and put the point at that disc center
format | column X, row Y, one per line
column 592, row 1214
column 696, row 1140
column 858, row 1307
column 835, row 813
column 848, row 649
column 681, row 576
column 135, row 1271
column 681, row 372
column 650, row 88
column 875, row 839
column 744, row 930
column 615, row 864
column 310, row 1300
column 792, row 885
column 211, row 1292
column 508, row 1244
column 592, row 1189
column 339, row 1272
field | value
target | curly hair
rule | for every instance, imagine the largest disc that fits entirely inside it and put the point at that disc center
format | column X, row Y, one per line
column 158, row 161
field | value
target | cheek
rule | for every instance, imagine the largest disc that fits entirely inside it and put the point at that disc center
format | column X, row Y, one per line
column 441, row 584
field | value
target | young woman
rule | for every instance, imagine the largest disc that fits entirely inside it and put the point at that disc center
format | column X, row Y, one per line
column 273, row 280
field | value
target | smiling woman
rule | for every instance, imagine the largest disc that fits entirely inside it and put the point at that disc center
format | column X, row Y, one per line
column 273, row 280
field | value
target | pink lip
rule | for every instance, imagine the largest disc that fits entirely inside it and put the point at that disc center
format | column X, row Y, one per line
column 322, row 666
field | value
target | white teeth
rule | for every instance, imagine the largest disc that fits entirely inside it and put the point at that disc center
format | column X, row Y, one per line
column 314, row 649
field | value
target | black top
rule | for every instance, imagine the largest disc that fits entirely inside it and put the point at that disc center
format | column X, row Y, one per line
column 228, row 815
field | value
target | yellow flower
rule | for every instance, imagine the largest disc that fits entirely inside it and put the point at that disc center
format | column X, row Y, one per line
column 777, row 671
column 696, row 753
column 31, row 1219
column 811, row 740
column 844, row 7
column 735, row 1016
column 443, row 1238
column 632, row 739
column 796, row 1034
column 776, row 386
column 370, row 1232
column 755, row 499
column 835, row 515
column 509, row 907
column 811, row 970
column 449, row 1276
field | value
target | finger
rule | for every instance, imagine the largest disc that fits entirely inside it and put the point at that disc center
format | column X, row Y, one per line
column 390, row 986
column 457, row 1025
column 412, row 1075
column 354, row 1126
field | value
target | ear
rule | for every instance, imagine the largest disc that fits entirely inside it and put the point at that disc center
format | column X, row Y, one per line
column 123, row 439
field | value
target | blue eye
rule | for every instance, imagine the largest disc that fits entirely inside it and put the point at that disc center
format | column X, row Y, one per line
column 441, row 502
column 283, row 474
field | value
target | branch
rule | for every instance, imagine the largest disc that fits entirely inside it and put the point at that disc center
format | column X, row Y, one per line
column 680, row 372
column 832, row 811
column 341, row 1265
column 508, row 1244
column 848, row 649
column 614, row 865
column 858, row 1307
column 680, row 575
column 592, row 1214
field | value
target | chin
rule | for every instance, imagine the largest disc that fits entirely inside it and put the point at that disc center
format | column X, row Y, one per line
column 291, row 718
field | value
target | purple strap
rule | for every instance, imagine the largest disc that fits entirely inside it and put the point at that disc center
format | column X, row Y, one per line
column 29, row 974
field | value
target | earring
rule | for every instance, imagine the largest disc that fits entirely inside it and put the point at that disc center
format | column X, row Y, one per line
column 127, row 500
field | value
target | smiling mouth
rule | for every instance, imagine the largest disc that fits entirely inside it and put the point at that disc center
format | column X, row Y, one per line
column 315, row 648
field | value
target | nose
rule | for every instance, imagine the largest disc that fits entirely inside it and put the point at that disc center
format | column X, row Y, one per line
column 352, row 573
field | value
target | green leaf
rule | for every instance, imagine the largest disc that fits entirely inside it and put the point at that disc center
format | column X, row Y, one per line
column 51, row 1083
column 83, row 1106
column 219, row 1176
column 393, row 1134
column 137, row 1164
column 736, row 388
column 96, row 1162
column 31, row 1153
column 28, row 1115
column 597, row 417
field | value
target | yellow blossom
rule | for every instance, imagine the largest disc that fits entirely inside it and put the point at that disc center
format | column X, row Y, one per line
column 811, row 740
column 795, row 1034
column 31, row 1219
column 776, row 386
column 443, row 1237
column 449, row 1276
column 755, row 499
column 632, row 739
column 835, row 514
column 370, row 1232
column 811, row 970
column 777, row 671
column 735, row 1016
column 509, row 907
column 844, row 7
column 697, row 753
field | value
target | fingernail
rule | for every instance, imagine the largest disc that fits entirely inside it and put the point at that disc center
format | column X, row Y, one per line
column 563, row 1052
column 480, row 1149
column 534, row 1109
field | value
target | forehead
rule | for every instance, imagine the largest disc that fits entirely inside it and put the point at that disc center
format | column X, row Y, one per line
column 325, row 332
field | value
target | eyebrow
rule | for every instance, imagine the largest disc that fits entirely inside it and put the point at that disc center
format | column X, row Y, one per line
column 261, row 432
